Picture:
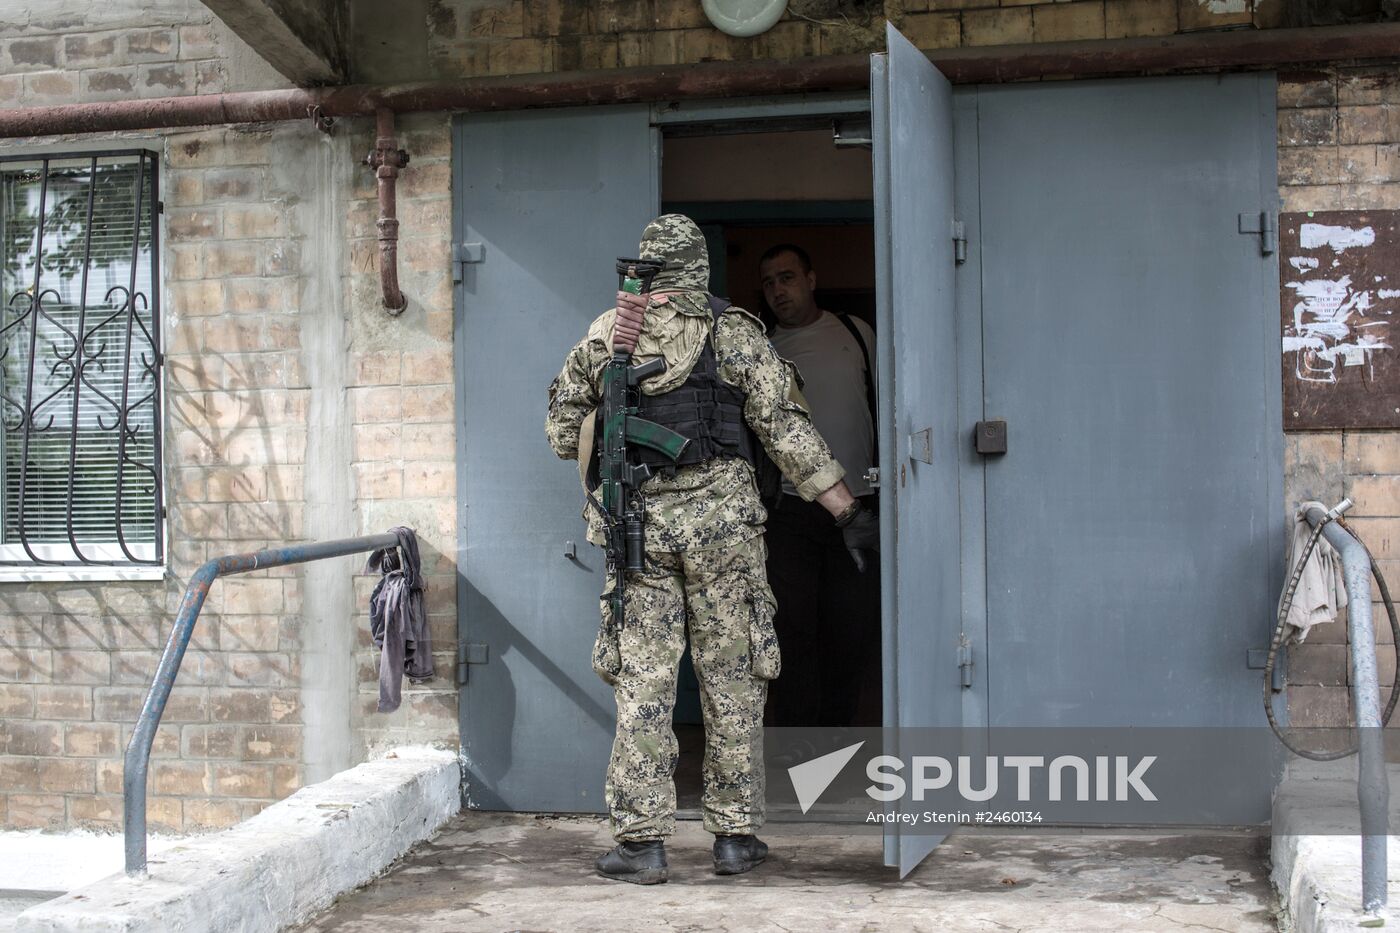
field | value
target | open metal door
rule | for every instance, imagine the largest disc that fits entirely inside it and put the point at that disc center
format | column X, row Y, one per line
column 545, row 202
column 912, row 124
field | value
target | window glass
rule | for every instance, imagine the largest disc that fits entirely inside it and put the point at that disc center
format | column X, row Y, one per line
column 79, row 361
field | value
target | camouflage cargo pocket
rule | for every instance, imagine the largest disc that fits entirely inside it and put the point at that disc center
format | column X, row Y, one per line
column 765, row 662
column 607, row 648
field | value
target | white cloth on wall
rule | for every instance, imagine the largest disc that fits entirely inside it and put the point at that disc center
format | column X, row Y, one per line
column 1322, row 591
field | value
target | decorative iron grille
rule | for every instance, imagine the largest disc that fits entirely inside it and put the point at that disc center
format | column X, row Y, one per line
column 80, row 360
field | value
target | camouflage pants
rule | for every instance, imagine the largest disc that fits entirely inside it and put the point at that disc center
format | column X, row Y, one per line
column 721, row 598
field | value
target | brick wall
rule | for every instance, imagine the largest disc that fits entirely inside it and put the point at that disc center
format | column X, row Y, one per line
column 269, row 254
column 479, row 37
column 402, row 407
column 277, row 348
column 1339, row 149
column 62, row 51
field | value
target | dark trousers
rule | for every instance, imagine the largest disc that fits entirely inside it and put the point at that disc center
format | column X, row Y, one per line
column 828, row 622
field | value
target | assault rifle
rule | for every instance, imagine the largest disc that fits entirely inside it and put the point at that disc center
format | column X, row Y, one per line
column 623, row 508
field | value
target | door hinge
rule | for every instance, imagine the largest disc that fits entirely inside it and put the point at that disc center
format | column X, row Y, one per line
column 465, row 254
column 1265, row 225
column 921, row 445
column 965, row 661
column 1256, row 659
column 467, row 655
column 959, row 242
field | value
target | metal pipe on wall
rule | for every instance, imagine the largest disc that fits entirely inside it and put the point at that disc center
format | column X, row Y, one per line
column 1218, row 51
column 386, row 159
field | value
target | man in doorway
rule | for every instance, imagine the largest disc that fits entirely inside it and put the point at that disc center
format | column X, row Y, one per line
column 828, row 619
column 704, row 577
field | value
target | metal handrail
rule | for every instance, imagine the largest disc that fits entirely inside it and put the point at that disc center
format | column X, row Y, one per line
column 138, row 750
column 1372, row 789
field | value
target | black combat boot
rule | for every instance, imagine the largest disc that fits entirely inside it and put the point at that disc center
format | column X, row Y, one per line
column 735, row 855
column 642, row 862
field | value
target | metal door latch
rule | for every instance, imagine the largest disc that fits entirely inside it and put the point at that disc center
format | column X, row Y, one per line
column 991, row 437
column 872, row 476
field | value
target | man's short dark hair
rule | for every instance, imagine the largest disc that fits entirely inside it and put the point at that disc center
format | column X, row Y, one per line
column 774, row 252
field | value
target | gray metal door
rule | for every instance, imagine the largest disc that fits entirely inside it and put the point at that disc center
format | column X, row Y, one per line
column 912, row 124
column 552, row 198
column 1130, row 340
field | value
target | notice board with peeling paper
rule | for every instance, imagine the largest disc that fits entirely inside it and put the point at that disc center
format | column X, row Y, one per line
column 1339, row 274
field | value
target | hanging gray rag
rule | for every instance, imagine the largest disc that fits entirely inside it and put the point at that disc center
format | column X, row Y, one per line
column 397, row 621
column 1322, row 591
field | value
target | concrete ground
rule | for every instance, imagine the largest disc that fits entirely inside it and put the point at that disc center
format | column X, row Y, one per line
column 13, row 903
column 36, row 867
column 502, row 872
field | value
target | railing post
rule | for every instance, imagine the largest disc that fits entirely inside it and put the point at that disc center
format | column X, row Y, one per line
column 138, row 750
column 1372, row 788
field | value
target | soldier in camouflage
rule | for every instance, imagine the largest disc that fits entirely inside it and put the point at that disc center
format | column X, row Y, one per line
column 705, row 559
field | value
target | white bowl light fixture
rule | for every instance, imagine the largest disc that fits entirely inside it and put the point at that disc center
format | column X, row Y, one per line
column 744, row 17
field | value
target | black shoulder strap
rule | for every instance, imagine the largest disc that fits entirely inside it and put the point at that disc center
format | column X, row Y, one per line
column 768, row 480
column 865, row 352
column 860, row 342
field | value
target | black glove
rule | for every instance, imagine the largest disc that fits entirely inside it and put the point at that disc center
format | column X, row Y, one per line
column 861, row 531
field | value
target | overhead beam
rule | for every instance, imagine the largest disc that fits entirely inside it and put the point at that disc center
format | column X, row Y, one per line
column 303, row 39
column 1272, row 48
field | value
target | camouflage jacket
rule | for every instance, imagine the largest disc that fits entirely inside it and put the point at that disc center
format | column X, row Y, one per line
column 716, row 503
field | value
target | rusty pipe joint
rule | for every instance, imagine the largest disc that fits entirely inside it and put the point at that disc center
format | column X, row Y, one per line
column 386, row 158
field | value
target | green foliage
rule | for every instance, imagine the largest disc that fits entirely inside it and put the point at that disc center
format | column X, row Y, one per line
column 113, row 194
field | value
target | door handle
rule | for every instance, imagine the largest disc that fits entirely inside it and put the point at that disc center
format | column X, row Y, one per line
column 990, row 437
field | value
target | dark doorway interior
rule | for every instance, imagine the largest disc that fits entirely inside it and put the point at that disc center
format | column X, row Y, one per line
column 748, row 192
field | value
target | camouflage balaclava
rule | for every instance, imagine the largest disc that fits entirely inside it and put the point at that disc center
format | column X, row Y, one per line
column 677, row 241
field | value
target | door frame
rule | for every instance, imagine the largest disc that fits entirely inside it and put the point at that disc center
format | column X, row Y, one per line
column 788, row 112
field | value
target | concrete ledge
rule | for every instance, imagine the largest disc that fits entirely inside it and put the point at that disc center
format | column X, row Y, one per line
column 280, row 867
column 1317, row 873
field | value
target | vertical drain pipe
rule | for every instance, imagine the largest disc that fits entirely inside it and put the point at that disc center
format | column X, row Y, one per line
column 386, row 159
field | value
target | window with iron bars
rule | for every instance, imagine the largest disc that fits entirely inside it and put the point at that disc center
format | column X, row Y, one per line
column 80, row 361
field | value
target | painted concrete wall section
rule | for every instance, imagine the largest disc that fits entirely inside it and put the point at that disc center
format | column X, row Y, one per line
column 65, row 51
column 323, row 167
column 1339, row 149
column 478, row 37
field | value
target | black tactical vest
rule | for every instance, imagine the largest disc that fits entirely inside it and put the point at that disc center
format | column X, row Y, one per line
column 704, row 408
